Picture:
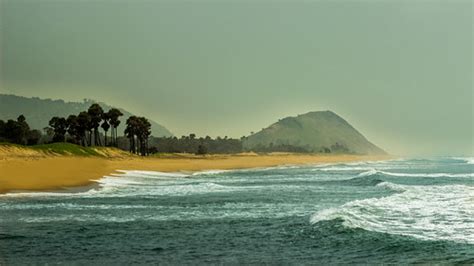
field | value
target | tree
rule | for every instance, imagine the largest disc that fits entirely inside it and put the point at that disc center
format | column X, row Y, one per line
column 96, row 113
column 2, row 130
column 138, row 130
column 144, row 132
column 33, row 137
column 59, row 125
column 18, row 132
column 130, row 131
column 201, row 150
column 73, row 128
column 113, row 115
column 12, row 131
column 83, row 126
column 15, row 131
column 49, row 133
column 24, row 128
column 105, row 126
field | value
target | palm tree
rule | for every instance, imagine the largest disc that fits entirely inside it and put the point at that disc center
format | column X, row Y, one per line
column 72, row 128
column 84, row 122
column 105, row 126
column 130, row 131
column 113, row 115
column 138, row 130
column 96, row 112
column 24, row 129
column 59, row 126
column 144, row 132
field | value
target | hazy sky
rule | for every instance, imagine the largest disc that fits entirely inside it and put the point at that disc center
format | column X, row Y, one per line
column 399, row 71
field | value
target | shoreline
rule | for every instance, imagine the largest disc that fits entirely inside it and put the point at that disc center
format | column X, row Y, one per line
column 53, row 173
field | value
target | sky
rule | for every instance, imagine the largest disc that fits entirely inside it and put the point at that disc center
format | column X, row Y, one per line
column 399, row 71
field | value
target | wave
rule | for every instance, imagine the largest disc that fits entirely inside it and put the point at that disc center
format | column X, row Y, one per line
column 150, row 174
column 73, row 206
column 424, row 212
column 392, row 186
column 9, row 236
column 211, row 172
column 116, row 181
column 368, row 173
column 428, row 174
column 369, row 178
column 467, row 160
column 373, row 171
column 336, row 168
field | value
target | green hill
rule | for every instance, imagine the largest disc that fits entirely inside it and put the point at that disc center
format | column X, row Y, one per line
column 38, row 111
column 322, row 131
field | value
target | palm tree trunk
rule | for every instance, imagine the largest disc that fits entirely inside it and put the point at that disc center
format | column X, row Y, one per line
column 97, row 137
column 105, row 140
column 115, row 137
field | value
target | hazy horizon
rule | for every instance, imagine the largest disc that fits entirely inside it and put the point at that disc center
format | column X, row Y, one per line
column 400, row 72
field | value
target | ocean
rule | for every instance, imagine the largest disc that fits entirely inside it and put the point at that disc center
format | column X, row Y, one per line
column 397, row 211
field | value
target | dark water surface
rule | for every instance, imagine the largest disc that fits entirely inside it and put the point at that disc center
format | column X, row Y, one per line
column 399, row 211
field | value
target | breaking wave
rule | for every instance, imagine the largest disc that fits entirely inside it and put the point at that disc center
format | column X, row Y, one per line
column 428, row 174
column 424, row 212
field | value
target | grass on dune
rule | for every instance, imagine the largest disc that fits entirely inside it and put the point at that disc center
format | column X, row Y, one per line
column 62, row 148
column 66, row 149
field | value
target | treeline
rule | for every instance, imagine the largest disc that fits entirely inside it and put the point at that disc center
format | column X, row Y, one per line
column 83, row 128
column 192, row 144
column 335, row 148
column 138, row 131
column 91, row 128
column 18, row 131
column 280, row 148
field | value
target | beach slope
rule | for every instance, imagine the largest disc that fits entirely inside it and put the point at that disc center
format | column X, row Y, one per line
column 29, row 169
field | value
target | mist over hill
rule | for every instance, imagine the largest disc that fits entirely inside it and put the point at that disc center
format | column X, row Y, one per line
column 322, row 131
column 38, row 111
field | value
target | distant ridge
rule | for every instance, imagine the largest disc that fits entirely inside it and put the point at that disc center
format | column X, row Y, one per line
column 322, row 131
column 38, row 111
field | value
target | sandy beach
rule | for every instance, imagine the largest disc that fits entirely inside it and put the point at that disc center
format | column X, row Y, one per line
column 22, row 169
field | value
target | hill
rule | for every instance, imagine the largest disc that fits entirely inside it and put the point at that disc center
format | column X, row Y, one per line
column 322, row 131
column 38, row 111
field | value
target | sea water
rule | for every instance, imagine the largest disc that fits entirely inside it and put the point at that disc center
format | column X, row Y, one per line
column 396, row 211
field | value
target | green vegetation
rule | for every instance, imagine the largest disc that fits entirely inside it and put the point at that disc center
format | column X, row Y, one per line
column 314, row 132
column 60, row 149
column 319, row 132
column 39, row 111
column 138, row 131
column 66, row 149
column 83, row 129
column 18, row 131
column 192, row 144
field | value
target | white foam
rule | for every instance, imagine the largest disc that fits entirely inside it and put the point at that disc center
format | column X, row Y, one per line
column 428, row 174
column 468, row 160
column 150, row 174
column 424, row 212
column 335, row 168
column 391, row 186
column 211, row 172
column 368, row 173
column 116, row 181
